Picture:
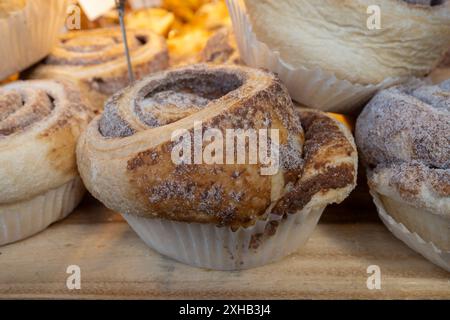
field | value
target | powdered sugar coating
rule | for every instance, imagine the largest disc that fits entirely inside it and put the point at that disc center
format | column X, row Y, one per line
column 405, row 124
column 404, row 138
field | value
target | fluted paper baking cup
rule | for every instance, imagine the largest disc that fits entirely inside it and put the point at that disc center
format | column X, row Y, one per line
column 29, row 34
column 315, row 88
column 412, row 239
column 212, row 247
column 23, row 219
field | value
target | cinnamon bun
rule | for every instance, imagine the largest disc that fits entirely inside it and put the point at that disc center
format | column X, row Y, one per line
column 40, row 121
column 404, row 139
column 95, row 60
column 186, row 194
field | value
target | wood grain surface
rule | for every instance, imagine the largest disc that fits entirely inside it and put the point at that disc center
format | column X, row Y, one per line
column 115, row 263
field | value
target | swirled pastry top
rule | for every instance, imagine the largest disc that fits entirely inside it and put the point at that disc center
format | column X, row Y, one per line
column 404, row 138
column 40, row 122
column 333, row 35
column 97, row 56
column 134, row 139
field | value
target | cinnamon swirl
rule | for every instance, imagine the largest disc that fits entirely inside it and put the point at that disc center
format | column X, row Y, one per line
column 232, row 206
column 404, row 138
column 40, row 122
column 95, row 60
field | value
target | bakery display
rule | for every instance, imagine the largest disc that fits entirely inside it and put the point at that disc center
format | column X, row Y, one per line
column 226, row 168
column 95, row 61
column 403, row 136
column 181, row 209
column 327, row 55
column 28, row 30
column 40, row 122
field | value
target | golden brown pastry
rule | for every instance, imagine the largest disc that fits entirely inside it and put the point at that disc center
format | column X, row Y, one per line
column 404, row 138
column 95, row 60
column 314, row 160
column 40, row 122
column 335, row 37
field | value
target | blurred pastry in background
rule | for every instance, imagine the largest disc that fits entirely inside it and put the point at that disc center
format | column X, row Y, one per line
column 186, row 45
column 155, row 19
column 221, row 48
column 212, row 16
column 195, row 22
column 95, row 60
column 183, row 9
column 403, row 136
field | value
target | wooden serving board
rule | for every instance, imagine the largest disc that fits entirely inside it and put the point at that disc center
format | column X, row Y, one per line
column 115, row 263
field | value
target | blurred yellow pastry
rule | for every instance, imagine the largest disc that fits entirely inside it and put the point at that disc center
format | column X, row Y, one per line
column 156, row 19
column 183, row 9
column 185, row 47
column 212, row 16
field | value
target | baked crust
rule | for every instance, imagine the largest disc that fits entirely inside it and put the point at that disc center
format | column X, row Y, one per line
column 137, row 148
column 333, row 35
column 403, row 136
column 40, row 121
column 94, row 60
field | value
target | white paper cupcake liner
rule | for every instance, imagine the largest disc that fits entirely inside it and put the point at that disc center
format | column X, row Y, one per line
column 315, row 88
column 220, row 248
column 28, row 35
column 412, row 239
column 23, row 219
